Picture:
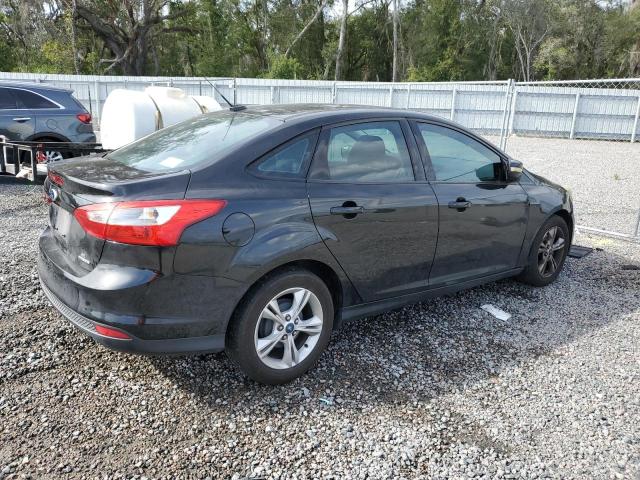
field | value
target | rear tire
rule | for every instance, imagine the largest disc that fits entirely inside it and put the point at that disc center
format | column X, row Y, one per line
column 282, row 327
column 48, row 156
column 548, row 253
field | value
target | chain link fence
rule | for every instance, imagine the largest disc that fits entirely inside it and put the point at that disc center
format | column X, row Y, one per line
column 551, row 126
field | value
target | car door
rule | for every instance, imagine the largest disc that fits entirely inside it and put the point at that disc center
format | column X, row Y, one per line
column 48, row 115
column 482, row 217
column 16, row 123
column 373, row 207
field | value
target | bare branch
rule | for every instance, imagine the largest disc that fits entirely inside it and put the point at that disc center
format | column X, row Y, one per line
column 306, row 27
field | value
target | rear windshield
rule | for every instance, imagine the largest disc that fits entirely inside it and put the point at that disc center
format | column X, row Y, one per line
column 203, row 139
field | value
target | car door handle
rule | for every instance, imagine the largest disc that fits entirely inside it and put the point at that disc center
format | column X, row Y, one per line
column 350, row 210
column 460, row 204
column 21, row 119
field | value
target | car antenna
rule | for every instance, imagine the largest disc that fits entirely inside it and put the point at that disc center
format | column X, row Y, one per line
column 233, row 107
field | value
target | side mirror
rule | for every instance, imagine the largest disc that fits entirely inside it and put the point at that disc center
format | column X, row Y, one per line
column 514, row 170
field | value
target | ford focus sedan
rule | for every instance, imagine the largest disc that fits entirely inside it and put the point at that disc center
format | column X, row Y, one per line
column 259, row 231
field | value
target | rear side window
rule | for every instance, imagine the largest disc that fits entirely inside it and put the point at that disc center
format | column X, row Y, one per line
column 289, row 160
column 373, row 152
column 33, row 100
column 457, row 158
column 7, row 100
column 200, row 140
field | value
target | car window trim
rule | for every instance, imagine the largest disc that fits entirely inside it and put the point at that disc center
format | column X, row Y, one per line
column 19, row 102
column 323, row 142
column 426, row 158
column 302, row 176
column 14, row 98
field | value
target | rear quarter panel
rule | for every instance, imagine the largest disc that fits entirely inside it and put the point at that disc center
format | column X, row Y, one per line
column 62, row 122
column 281, row 231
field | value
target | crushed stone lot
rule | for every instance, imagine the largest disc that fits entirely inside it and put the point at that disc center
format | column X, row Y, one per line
column 603, row 177
column 436, row 390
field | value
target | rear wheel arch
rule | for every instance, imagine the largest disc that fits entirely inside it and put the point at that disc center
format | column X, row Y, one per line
column 42, row 137
column 47, row 137
column 323, row 271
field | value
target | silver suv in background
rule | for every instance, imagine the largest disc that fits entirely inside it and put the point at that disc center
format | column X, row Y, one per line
column 38, row 112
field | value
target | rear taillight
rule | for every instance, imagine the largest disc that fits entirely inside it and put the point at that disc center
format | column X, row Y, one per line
column 55, row 178
column 147, row 222
column 84, row 117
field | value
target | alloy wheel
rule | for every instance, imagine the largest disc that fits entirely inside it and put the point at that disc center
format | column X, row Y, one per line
column 52, row 156
column 288, row 328
column 551, row 251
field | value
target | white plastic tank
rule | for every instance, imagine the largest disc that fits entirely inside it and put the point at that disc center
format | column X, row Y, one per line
column 207, row 104
column 128, row 115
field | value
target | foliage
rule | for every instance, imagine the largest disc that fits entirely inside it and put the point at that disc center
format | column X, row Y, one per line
column 439, row 40
column 283, row 67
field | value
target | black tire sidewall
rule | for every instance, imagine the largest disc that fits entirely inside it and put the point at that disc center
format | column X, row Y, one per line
column 532, row 274
column 241, row 347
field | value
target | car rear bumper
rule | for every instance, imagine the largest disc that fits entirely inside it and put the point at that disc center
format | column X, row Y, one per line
column 172, row 346
column 163, row 314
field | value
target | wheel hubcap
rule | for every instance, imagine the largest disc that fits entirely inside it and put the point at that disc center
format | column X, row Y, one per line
column 288, row 328
column 551, row 251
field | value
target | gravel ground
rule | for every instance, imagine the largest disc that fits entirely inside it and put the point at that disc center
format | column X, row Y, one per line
column 435, row 390
column 604, row 177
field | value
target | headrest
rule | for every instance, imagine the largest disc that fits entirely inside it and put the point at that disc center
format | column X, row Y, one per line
column 367, row 148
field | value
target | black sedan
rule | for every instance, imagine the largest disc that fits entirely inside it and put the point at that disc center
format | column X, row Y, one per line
column 259, row 231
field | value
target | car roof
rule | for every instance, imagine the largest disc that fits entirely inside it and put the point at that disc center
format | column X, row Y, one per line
column 307, row 111
column 34, row 86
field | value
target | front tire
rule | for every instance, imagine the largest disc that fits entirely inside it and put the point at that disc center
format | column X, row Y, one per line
column 548, row 253
column 282, row 327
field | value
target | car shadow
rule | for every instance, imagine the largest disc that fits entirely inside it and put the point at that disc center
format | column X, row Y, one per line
column 424, row 350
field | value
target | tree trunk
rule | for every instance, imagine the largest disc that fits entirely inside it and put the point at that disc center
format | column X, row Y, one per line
column 394, row 73
column 341, row 41
column 128, row 42
column 74, row 43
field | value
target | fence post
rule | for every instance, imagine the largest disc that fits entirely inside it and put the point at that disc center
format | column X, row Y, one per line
column 505, row 111
column 391, row 95
column 334, row 92
column 96, row 91
column 633, row 134
column 453, row 103
column 575, row 115
column 408, row 95
column 512, row 109
column 234, row 87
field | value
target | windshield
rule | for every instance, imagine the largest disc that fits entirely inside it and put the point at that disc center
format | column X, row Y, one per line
column 205, row 138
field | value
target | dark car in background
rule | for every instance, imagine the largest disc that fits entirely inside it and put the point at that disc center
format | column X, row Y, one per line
column 42, row 113
column 260, row 231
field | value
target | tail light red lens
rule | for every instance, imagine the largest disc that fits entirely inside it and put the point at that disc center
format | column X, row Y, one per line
column 84, row 117
column 112, row 333
column 55, row 178
column 147, row 222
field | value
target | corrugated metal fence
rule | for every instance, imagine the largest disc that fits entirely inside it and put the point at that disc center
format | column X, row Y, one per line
column 593, row 109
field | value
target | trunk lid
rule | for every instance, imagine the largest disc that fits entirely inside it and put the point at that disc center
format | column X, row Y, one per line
column 86, row 180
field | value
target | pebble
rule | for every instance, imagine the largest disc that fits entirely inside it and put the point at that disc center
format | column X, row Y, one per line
column 434, row 390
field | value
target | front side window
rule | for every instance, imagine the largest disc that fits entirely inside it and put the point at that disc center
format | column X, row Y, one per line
column 33, row 100
column 7, row 100
column 367, row 152
column 457, row 158
column 203, row 139
column 287, row 161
